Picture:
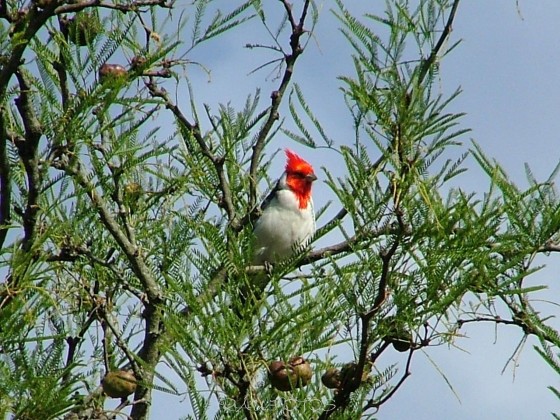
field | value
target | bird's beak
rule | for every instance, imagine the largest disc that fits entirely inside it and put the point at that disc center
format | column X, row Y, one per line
column 311, row 177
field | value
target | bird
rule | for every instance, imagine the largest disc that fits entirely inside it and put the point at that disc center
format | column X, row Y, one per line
column 286, row 224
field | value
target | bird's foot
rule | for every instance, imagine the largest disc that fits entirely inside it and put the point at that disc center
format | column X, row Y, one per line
column 268, row 267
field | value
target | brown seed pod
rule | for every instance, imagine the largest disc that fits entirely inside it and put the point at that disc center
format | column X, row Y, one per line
column 350, row 370
column 402, row 342
column 282, row 376
column 303, row 370
column 332, row 378
column 137, row 62
column 397, row 334
column 119, row 383
column 107, row 71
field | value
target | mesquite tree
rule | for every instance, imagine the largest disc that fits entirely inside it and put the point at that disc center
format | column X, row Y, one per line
column 127, row 206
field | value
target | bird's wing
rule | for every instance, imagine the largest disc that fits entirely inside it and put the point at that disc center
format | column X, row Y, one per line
column 280, row 185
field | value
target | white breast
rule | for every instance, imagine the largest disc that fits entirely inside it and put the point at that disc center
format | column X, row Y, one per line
column 282, row 227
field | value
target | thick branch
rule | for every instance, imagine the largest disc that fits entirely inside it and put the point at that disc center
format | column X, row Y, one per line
column 4, row 11
column 150, row 353
column 24, row 30
column 152, row 313
column 341, row 398
column 133, row 255
column 28, row 153
column 360, row 240
column 133, row 6
column 5, row 185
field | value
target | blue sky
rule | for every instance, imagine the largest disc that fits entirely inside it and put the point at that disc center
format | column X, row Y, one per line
column 508, row 67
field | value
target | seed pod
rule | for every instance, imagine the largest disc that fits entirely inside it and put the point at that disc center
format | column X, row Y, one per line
column 119, row 383
column 332, row 378
column 137, row 62
column 282, row 376
column 303, row 370
column 402, row 342
column 397, row 334
column 107, row 71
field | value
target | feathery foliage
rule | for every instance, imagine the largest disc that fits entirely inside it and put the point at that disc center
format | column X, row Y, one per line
column 127, row 206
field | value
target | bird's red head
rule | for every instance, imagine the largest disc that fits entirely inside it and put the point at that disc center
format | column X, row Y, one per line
column 299, row 177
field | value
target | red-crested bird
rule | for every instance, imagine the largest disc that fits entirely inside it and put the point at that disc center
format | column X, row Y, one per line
column 287, row 222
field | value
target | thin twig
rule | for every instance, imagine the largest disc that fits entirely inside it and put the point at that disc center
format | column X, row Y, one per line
column 343, row 212
column 217, row 161
column 407, row 373
column 276, row 96
column 428, row 63
column 550, row 246
column 104, row 315
column 74, row 342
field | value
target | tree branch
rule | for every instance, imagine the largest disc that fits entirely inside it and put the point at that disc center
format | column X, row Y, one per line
column 123, row 7
column 4, row 11
column 495, row 319
column 28, row 153
column 344, row 211
column 407, row 373
column 520, row 318
column 153, row 314
column 549, row 246
column 74, row 342
column 217, row 161
column 24, row 30
column 5, row 184
column 386, row 265
column 277, row 95
column 352, row 384
column 133, row 255
column 428, row 63
column 150, row 353
column 422, row 74
column 107, row 318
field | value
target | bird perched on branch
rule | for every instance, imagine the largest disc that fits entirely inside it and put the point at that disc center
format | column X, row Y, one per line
column 287, row 222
